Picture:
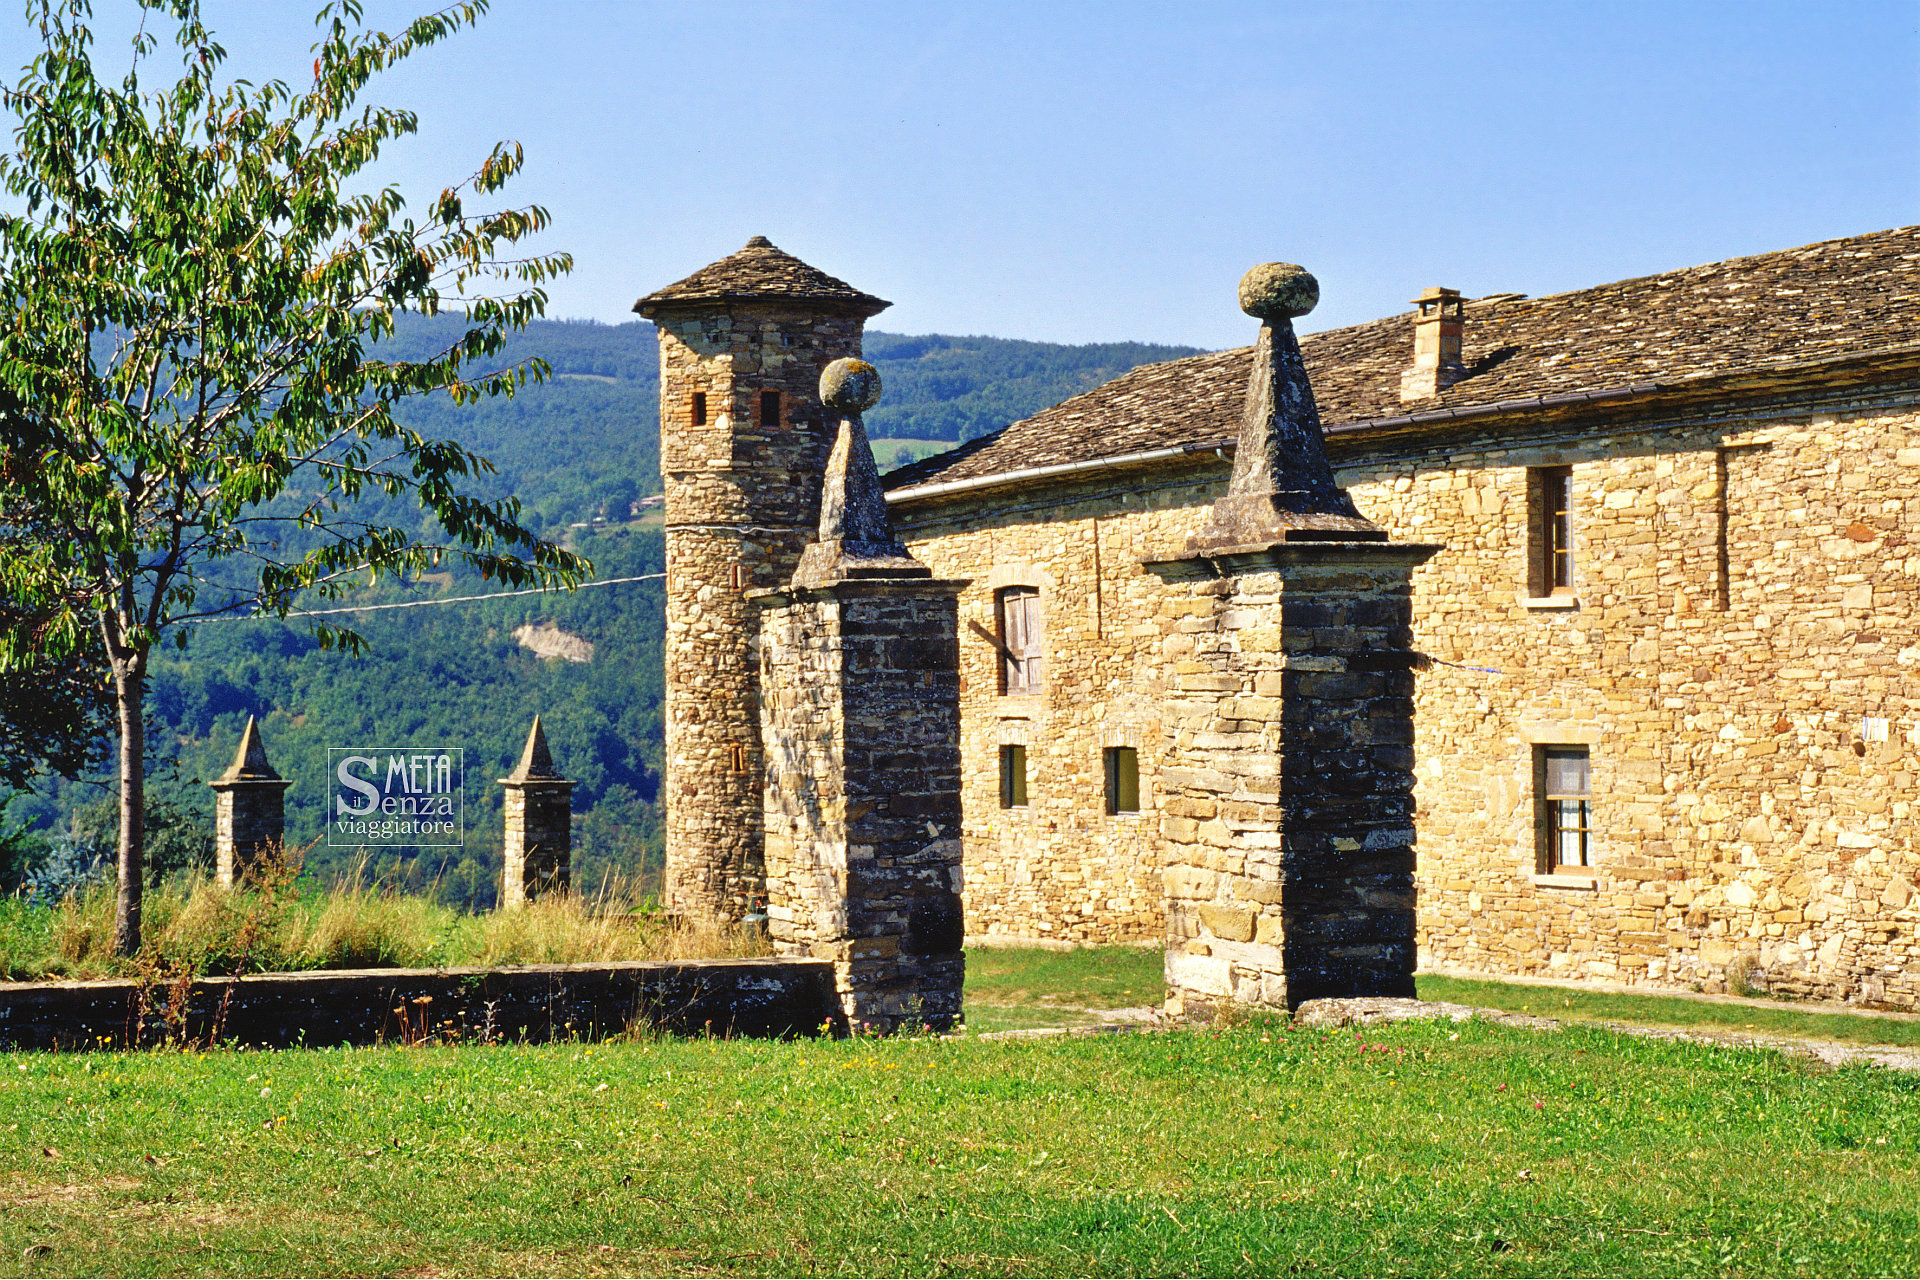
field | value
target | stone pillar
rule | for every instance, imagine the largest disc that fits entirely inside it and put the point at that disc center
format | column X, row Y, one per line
column 743, row 444
column 539, row 826
column 860, row 713
column 249, row 810
column 1287, row 797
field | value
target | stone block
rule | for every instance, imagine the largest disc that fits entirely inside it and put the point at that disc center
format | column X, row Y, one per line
column 1233, row 923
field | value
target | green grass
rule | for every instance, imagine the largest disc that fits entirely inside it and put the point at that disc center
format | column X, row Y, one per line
column 1574, row 1005
column 1016, row 988
column 26, row 938
column 1419, row 1149
column 887, row 449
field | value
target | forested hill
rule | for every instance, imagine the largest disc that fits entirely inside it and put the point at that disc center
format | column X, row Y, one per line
column 578, row 451
column 958, row 389
column 587, row 442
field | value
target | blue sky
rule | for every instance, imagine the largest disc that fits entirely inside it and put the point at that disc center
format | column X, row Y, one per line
column 1094, row 172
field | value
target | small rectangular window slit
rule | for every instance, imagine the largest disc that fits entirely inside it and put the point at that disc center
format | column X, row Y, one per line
column 769, row 408
column 699, row 409
column 1123, row 780
column 737, row 577
column 737, row 758
column 1013, row 777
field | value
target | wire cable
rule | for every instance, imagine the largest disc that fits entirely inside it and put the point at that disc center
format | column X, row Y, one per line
column 422, row 604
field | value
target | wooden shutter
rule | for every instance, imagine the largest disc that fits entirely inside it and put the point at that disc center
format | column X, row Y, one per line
column 1022, row 631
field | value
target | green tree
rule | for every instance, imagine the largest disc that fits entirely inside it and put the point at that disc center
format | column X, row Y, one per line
column 195, row 292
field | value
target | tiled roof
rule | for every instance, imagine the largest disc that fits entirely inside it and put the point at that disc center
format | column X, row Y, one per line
column 760, row 272
column 1835, row 299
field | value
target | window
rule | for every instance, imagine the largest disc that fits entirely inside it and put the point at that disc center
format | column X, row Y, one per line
column 1013, row 777
column 737, row 758
column 699, row 409
column 737, row 577
column 1123, row 780
column 769, row 408
column 1022, row 630
column 1550, row 499
column 1563, row 779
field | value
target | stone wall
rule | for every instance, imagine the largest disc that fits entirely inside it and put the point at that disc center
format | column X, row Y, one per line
column 742, row 503
column 538, row 844
column 1751, row 822
column 1062, row 868
column 1740, row 659
column 1287, row 796
column 398, row 1006
column 249, row 820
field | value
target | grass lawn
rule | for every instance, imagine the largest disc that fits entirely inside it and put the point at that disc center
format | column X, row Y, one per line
column 1424, row 1148
column 1012, row 988
column 1574, row 1005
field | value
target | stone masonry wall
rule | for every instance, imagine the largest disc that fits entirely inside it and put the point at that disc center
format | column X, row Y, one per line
column 537, row 840
column 248, row 819
column 1743, row 664
column 863, row 848
column 1062, row 868
column 742, row 503
column 1751, row 822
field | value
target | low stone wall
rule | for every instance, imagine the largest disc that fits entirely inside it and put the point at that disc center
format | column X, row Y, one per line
column 765, row 997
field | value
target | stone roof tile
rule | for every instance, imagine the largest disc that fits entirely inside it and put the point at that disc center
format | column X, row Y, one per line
column 761, row 272
column 1834, row 299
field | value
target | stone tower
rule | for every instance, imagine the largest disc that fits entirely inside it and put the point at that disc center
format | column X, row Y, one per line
column 743, row 451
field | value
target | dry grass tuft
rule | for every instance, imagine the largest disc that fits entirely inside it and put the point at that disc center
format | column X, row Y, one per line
column 194, row 927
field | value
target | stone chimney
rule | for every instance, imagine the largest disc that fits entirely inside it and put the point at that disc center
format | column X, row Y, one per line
column 249, row 810
column 539, row 825
column 1439, row 320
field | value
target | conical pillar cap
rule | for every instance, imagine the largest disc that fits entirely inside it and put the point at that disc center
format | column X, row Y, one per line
column 250, row 761
column 1283, row 488
column 855, row 538
column 536, row 761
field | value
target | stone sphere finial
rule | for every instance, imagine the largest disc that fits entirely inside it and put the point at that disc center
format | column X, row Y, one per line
column 1278, row 291
column 849, row 386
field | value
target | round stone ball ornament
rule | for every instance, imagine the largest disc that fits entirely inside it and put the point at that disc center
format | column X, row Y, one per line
column 849, row 386
column 1278, row 291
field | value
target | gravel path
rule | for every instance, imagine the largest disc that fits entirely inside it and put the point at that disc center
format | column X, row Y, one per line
column 1373, row 1011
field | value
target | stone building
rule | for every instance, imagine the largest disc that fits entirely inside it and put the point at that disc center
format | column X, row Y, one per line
column 743, row 447
column 1672, row 727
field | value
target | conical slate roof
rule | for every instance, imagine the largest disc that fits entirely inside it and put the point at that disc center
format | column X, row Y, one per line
column 761, row 272
column 250, row 761
column 536, row 762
